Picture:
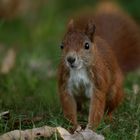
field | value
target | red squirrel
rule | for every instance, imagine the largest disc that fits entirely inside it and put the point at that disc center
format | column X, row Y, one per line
column 96, row 52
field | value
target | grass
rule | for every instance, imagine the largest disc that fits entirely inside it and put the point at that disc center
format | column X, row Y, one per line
column 30, row 89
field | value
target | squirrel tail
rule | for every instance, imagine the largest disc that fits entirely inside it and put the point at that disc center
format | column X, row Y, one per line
column 124, row 35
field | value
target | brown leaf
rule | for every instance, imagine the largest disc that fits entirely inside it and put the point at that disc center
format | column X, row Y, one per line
column 9, row 61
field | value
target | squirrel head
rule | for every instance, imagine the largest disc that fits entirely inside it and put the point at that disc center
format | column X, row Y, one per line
column 78, row 46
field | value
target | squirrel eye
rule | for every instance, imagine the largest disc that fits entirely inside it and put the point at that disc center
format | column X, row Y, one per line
column 61, row 46
column 87, row 45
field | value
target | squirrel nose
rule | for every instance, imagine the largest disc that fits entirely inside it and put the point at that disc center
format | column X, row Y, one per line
column 71, row 60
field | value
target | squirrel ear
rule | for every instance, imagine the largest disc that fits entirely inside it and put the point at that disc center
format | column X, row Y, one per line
column 90, row 30
column 71, row 25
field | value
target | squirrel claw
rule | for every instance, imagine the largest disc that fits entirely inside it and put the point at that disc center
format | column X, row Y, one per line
column 78, row 129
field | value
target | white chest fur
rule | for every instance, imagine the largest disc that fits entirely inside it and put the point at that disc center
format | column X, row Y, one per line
column 79, row 83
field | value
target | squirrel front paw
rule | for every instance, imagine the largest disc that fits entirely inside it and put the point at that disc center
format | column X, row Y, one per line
column 78, row 129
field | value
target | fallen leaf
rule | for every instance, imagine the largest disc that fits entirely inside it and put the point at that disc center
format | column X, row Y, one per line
column 86, row 134
column 4, row 115
column 135, row 88
column 9, row 61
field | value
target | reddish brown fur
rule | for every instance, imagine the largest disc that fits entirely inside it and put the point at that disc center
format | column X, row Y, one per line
column 8, row 9
column 113, row 40
column 119, row 30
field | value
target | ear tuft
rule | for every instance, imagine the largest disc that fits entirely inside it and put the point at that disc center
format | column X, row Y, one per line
column 90, row 30
column 71, row 25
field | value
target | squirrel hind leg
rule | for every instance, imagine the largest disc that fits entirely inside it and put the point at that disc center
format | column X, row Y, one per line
column 114, row 99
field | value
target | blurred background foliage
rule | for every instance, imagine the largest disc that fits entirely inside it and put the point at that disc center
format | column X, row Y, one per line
column 33, row 29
